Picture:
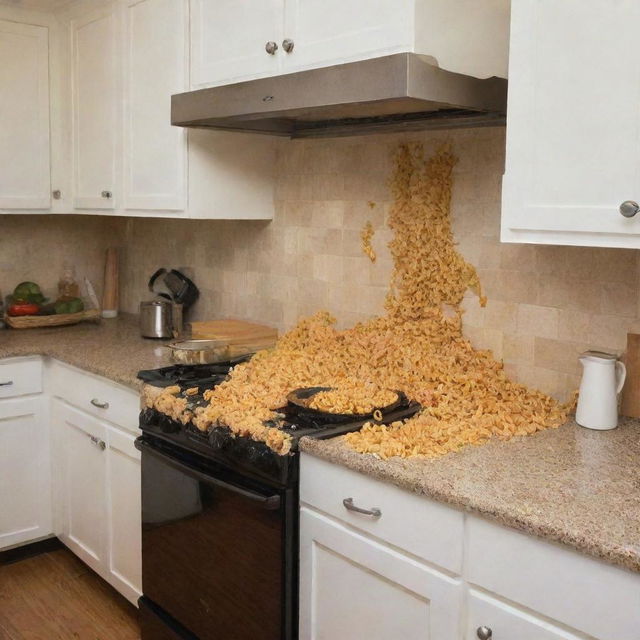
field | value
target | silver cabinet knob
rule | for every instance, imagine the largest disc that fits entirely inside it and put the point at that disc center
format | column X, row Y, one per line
column 107, row 194
column 57, row 194
column 101, row 444
column 100, row 405
column 484, row 633
column 629, row 208
column 271, row 47
column 288, row 44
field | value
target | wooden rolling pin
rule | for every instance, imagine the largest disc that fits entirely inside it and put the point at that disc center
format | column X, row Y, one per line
column 630, row 405
column 110, row 292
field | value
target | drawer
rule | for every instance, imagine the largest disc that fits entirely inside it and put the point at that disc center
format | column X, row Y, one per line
column 20, row 376
column 95, row 395
column 424, row 528
column 508, row 623
column 586, row 594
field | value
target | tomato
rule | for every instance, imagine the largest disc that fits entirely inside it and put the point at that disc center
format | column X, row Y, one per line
column 23, row 309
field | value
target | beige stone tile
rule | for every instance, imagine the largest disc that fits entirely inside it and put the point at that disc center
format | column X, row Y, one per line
column 609, row 331
column 540, row 378
column 573, row 325
column 328, row 268
column 518, row 257
column 535, row 320
column 518, row 349
column 501, row 315
column 619, row 299
column 550, row 260
column 357, row 270
column 558, row 355
column 328, row 214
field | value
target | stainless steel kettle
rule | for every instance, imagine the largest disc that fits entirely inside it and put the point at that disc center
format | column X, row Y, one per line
column 160, row 318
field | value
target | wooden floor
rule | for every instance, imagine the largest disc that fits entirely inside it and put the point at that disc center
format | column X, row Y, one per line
column 54, row 596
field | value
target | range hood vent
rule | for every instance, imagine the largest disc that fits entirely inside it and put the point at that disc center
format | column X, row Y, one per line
column 400, row 92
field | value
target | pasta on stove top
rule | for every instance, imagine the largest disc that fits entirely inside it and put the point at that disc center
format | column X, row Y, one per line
column 418, row 347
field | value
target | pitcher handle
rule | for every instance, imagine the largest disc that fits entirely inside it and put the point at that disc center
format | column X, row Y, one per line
column 622, row 375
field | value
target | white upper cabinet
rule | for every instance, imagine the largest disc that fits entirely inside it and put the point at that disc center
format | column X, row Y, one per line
column 332, row 30
column 230, row 40
column 573, row 132
column 24, row 116
column 155, row 68
column 95, row 109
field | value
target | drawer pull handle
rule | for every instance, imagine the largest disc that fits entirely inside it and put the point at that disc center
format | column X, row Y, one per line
column 374, row 512
column 99, row 443
column 100, row 405
column 484, row 633
column 8, row 383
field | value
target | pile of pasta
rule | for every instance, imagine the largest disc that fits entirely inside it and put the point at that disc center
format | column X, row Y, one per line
column 417, row 347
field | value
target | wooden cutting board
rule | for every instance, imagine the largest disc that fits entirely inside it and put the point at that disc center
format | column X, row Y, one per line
column 630, row 405
column 235, row 332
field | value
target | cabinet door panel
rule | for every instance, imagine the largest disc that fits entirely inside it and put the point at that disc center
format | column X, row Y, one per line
column 155, row 152
column 25, row 493
column 574, row 123
column 125, row 557
column 95, row 114
column 228, row 39
column 84, row 484
column 332, row 31
column 24, row 117
column 353, row 588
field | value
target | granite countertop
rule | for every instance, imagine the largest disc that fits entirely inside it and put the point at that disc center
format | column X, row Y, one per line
column 111, row 348
column 571, row 485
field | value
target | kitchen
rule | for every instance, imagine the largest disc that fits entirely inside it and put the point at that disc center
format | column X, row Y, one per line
column 529, row 537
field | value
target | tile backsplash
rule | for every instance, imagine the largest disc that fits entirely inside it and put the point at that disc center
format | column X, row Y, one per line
column 546, row 304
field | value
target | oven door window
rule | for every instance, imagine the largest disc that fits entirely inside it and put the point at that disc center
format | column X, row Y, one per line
column 212, row 550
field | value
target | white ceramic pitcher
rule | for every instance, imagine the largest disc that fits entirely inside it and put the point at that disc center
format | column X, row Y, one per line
column 602, row 378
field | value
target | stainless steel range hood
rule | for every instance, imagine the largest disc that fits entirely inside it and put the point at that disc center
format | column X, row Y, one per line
column 391, row 93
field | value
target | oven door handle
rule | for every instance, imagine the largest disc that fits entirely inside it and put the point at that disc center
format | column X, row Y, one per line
column 266, row 502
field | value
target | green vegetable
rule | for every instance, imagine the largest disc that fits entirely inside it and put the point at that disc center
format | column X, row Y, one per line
column 29, row 292
column 73, row 305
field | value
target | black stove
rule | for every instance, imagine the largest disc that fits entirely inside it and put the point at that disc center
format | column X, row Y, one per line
column 220, row 518
column 243, row 454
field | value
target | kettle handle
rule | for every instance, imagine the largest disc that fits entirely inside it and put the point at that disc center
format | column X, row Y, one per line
column 622, row 375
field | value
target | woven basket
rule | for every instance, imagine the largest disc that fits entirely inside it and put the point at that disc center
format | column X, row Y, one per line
column 58, row 320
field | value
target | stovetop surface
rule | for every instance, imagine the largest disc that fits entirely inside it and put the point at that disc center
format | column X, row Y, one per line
column 244, row 454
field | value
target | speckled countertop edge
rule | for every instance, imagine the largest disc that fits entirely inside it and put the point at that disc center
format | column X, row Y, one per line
column 571, row 485
column 110, row 348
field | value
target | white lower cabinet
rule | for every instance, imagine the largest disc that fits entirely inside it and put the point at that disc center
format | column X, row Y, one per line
column 354, row 588
column 25, row 490
column 124, row 514
column 83, row 483
column 383, row 572
column 97, row 495
column 503, row 622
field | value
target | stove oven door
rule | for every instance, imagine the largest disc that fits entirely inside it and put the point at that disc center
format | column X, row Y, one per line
column 214, row 548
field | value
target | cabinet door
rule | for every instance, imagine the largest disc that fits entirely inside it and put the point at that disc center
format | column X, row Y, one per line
column 507, row 622
column 573, row 134
column 125, row 553
column 155, row 68
column 25, row 493
column 84, row 483
column 24, row 117
column 353, row 588
column 332, row 31
column 228, row 40
column 95, row 112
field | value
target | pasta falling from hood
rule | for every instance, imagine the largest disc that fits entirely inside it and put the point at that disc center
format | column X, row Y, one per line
column 417, row 347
